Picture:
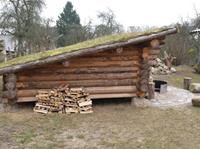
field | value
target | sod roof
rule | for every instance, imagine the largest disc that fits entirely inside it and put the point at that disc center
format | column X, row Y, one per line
column 106, row 40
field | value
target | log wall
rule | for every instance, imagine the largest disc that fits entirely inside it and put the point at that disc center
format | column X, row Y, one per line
column 109, row 74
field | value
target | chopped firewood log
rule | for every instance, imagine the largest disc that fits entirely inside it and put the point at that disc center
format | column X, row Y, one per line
column 86, row 112
column 41, row 108
column 86, row 103
column 63, row 100
column 69, row 110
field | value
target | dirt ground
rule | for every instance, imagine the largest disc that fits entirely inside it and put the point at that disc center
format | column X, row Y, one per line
column 118, row 126
column 111, row 126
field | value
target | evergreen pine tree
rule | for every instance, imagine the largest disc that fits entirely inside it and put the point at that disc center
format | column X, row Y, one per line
column 68, row 26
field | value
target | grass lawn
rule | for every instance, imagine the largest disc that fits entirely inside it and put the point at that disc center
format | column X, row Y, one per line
column 118, row 126
column 176, row 79
column 111, row 126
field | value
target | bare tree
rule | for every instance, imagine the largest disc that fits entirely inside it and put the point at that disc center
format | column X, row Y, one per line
column 195, row 34
column 108, row 25
column 42, row 37
column 179, row 45
column 18, row 17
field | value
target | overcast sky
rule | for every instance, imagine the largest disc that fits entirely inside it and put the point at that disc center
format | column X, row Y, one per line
column 129, row 12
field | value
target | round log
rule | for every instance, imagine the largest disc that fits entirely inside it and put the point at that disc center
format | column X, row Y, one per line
column 144, row 88
column 11, row 95
column 151, row 90
column 155, row 43
column 186, row 83
column 10, row 78
column 10, row 86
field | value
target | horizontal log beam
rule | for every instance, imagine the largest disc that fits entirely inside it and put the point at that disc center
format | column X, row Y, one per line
column 113, row 53
column 105, row 58
column 84, row 70
column 107, row 96
column 94, row 96
column 111, row 89
column 91, row 90
column 85, row 83
column 96, row 64
column 127, row 50
column 70, row 77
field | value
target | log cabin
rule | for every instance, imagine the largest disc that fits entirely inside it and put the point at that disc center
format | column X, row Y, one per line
column 115, row 66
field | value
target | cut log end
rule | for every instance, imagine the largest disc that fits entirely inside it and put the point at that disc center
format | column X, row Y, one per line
column 63, row 100
column 187, row 82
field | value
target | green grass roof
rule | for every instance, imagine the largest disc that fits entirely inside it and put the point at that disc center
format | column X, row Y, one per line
column 86, row 44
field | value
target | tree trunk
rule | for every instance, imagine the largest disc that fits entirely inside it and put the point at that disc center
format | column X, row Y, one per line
column 198, row 59
column 20, row 47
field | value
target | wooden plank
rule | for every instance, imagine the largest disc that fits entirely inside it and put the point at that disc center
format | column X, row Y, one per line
column 94, row 96
column 91, row 90
column 69, row 77
column 84, row 70
column 84, row 83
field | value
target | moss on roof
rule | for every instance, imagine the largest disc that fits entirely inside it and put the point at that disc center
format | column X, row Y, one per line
column 86, row 44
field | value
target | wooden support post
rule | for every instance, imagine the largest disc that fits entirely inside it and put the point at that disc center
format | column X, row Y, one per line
column 10, row 93
column 145, row 86
column 142, row 85
column 186, row 83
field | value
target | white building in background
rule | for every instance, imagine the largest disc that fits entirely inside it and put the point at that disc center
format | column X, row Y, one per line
column 9, row 42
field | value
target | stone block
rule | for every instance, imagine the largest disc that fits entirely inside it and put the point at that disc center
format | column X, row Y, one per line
column 195, row 87
column 196, row 102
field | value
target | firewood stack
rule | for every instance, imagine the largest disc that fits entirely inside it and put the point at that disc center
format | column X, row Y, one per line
column 159, row 68
column 63, row 100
